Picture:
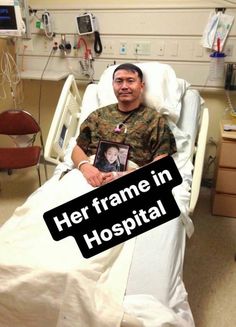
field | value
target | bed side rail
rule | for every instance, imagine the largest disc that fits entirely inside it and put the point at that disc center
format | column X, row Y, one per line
column 199, row 160
column 65, row 122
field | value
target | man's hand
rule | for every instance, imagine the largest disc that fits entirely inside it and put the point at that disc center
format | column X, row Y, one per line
column 108, row 177
column 94, row 176
column 160, row 156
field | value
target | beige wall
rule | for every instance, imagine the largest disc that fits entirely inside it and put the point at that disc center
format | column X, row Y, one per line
column 83, row 4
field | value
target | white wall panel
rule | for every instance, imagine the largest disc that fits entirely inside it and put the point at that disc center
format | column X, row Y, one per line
column 168, row 35
column 142, row 22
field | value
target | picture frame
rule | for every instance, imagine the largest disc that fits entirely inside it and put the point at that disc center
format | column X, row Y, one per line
column 111, row 156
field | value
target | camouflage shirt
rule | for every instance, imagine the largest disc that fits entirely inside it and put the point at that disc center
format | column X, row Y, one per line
column 144, row 130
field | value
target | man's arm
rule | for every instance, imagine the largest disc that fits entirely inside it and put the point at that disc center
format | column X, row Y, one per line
column 78, row 156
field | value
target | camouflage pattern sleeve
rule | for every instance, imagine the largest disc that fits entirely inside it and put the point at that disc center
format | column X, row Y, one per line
column 162, row 139
column 85, row 135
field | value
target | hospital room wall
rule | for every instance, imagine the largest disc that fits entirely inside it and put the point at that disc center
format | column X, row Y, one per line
column 84, row 4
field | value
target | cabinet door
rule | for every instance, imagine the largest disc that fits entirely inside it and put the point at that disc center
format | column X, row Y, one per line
column 224, row 205
column 226, row 181
column 228, row 154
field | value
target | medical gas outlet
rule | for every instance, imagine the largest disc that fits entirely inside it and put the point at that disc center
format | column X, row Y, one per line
column 123, row 48
column 64, row 46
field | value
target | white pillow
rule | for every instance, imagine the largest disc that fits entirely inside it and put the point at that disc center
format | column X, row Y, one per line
column 163, row 90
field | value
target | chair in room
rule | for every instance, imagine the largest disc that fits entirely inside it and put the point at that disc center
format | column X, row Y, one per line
column 21, row 152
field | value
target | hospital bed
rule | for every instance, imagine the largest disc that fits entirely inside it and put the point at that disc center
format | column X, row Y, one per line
column 140, row 282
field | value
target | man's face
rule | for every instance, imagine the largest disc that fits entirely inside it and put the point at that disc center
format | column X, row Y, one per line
column 128, row 87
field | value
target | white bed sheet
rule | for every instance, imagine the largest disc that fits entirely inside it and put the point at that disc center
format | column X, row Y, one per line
column 41, row 285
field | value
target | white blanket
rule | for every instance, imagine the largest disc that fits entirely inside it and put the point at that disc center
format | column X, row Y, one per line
column 49, row 283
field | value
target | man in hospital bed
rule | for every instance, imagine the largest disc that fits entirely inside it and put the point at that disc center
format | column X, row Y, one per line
column 48, row 283
column 129, row 122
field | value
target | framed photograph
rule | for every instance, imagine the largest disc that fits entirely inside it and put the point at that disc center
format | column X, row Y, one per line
column 111, row 156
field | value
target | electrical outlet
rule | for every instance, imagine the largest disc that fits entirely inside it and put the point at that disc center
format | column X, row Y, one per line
column 142, row 48
column 108, row 48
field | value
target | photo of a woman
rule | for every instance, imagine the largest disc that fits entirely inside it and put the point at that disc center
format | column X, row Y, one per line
column 111, row 156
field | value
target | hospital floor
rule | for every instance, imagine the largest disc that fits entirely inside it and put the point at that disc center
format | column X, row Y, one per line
column 210, row 267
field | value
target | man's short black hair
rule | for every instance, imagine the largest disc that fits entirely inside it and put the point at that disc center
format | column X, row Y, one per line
column 130, row 67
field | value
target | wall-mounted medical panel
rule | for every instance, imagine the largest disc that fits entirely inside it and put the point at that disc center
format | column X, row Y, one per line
column 169, row 35
column 130, row 47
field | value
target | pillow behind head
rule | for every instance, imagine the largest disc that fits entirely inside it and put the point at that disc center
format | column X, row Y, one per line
column 163, row 91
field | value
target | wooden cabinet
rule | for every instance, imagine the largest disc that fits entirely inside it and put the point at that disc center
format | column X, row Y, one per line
column 224, row 190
